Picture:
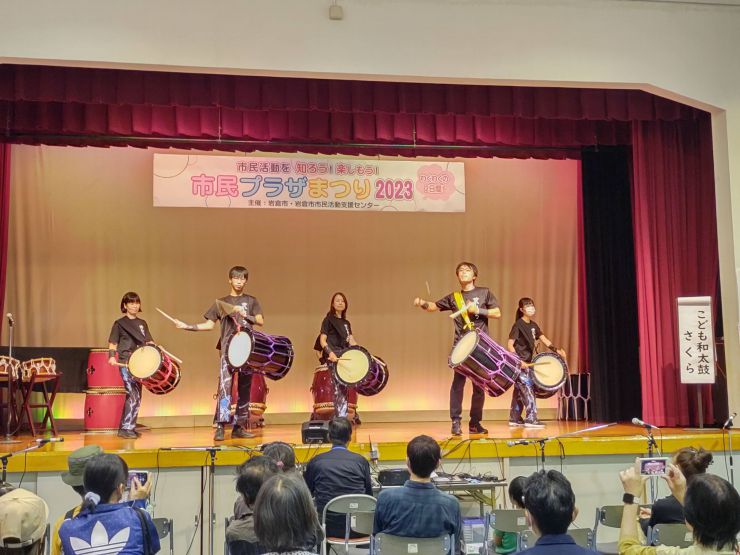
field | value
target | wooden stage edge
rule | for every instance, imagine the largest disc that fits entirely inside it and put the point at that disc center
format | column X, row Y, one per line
column 157, row 448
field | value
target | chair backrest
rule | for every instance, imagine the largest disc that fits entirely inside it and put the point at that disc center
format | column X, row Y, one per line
column 675, row 535
column 387, row 544
column 527, row 538
column 163, row 526
column 509, row 520
column 609, row 515
column 352, row 503
column 583, row 537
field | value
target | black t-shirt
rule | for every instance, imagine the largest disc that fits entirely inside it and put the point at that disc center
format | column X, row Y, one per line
column 128, row 334
column 481, row 296
column 337, row 330
column 525, row 336
column 229, row 322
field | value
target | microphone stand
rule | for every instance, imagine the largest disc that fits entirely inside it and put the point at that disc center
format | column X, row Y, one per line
column 211, row 484
column 11, row 393
column 4, row 458
column 651, row 444
column 728, row 427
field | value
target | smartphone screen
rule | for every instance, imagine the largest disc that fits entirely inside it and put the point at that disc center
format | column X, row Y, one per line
column 141, row 475
column 656, row 466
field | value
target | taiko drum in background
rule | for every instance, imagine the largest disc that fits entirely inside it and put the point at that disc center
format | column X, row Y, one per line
column 323, row 395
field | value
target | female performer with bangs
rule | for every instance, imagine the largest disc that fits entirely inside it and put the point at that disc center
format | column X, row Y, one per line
column 335, row 337
column 127, row 334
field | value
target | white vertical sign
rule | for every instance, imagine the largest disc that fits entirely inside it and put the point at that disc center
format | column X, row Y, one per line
column 696, row 340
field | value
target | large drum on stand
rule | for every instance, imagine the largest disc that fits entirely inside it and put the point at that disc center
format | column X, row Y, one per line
column 257, row 399
column 103, row 409
column 322, row 390
column 100, row 373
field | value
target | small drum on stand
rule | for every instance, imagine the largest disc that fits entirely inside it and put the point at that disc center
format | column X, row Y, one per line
column 44, row 368
column 253, row 351
column 9, row 367
column 100, row 373
column 485, row 362
column 549, row 372
column 322, row 390
column 155, row 369
column 357, row 368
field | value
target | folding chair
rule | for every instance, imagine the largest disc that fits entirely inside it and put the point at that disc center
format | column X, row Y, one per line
column 583, row 537
column 165, row 528
column 351, row 506
column 674, row 535
column 527, row 539
column 387, row 544
column 504, row 520
column 609, row 516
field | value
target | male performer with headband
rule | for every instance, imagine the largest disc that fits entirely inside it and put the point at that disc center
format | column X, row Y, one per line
column 246, row 313
column 476, row 304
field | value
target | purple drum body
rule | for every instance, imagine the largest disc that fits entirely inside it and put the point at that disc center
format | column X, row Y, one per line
column 272, row 355
column 485, row 362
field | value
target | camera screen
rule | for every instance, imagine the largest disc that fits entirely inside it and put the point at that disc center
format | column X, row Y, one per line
column 653, row 467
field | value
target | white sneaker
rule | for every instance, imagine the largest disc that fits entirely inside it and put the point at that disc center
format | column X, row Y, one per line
column 535, row 424
column 515, row 424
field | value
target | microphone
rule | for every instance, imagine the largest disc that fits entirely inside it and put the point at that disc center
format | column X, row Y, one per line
column 518, row 442
column 638, row 422
column 45, row 440
column 728, row 424
column 9, row 316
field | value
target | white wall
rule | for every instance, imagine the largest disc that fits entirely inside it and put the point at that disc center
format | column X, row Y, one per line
column 684, row 51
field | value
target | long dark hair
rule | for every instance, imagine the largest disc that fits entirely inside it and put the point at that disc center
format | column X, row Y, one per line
column 103, row 474
column 130, row 297
column 331, row 305
column 285, row 518
column 522, row 303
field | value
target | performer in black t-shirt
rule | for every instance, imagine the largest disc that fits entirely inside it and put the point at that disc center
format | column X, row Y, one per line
column 523, row 341
column 247, row 312
column 481, row 305
column 335, row 337
column 127, row 334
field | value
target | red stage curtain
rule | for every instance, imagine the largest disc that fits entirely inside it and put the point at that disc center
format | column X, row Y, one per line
column 4, row 214
column 115, row 87
column 676, row 253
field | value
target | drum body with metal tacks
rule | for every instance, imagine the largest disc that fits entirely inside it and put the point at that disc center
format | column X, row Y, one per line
column 155, row 370
column 103, row 409
column 253, row 351
column 100, row 373
column 322, row 390
column 9, row 367
column 44, row 368
column 357, row 368
column 549, row 372
column 485, row 362
column 257, row 394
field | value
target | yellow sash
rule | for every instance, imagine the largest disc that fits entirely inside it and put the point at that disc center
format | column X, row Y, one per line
column 460, row 302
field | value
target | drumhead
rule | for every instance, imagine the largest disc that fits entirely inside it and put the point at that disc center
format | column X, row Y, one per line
column 240, row 347
column 463, row 348
column 353, row 365
column 549, row 370
column 144, row 362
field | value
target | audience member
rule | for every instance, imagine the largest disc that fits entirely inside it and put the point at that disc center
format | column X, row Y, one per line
column 104, row 522
column 73, row 477
column 285, row 519
column 337, row 472
column 710, row 504
column 668, row 510
column 506, row 542
column 240, row 531
column 419, row 509
column 550, row 507
column 282, row 453
column 23, row 518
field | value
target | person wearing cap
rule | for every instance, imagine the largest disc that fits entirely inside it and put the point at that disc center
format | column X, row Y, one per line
column 73, row 477
column 23, row 518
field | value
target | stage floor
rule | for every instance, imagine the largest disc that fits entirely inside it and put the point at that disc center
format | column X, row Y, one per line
column 158, row 447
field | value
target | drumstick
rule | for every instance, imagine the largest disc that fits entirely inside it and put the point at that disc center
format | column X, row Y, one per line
column 226, row 307
column 459, row 312
column 169, row 354
column 429, row 291
column 170, row 318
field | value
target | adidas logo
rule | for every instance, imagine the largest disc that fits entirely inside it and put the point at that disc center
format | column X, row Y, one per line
column 99, row 542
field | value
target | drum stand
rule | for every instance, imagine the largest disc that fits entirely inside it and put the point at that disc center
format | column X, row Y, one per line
column 8, row 435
